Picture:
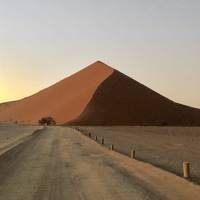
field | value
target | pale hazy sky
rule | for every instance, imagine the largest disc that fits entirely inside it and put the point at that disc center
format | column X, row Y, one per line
column 156, row 42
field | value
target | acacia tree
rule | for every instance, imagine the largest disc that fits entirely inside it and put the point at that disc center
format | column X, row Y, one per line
column 49, row 121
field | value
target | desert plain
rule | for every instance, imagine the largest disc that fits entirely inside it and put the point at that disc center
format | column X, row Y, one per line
column 164, row 147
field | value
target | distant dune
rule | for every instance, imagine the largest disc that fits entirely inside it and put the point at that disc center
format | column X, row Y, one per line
column 100, row 95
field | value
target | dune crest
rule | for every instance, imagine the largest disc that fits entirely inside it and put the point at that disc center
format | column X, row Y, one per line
column 120, row 100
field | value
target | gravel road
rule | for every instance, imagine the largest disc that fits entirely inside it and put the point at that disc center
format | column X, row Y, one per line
column 59, row 163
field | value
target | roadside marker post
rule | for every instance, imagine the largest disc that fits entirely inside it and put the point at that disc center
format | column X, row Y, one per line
column 102, row 141
column 96, row 138
column 132, row 154
column 112, row 147
column 186, row 169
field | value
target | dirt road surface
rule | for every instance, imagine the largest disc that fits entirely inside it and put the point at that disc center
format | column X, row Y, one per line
column 59, row 163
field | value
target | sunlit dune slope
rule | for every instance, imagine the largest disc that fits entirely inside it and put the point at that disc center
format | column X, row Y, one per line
column 64, row 101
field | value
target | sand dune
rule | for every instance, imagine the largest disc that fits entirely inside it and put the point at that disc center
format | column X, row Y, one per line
column 64, row 101
column 100, row 95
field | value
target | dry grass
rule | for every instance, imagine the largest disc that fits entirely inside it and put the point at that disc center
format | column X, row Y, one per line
column 10, row 134
column 166, row 147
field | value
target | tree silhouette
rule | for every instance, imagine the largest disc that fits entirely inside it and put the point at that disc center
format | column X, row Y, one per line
column 49, row 121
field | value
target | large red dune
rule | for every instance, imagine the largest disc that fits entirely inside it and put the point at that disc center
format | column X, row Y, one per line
column 100, row 95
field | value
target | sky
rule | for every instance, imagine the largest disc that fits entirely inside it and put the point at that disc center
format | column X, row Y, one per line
column 156, row 42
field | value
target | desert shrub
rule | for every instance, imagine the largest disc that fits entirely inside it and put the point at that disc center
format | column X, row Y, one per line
column 49, row 121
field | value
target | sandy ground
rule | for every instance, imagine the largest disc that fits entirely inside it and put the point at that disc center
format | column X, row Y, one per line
column 11, row 135
column 60, row 163
column 166, row 147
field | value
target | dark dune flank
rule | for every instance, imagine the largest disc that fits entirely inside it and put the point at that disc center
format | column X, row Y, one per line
column 120, row 100
column 100, row 95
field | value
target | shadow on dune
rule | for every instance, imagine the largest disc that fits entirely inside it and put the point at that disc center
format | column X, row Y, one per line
column 120, row 100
